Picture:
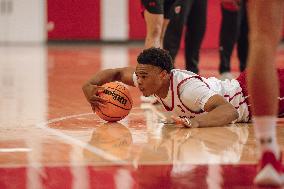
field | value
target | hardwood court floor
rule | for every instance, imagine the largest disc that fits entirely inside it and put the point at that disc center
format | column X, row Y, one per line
column 49, row 137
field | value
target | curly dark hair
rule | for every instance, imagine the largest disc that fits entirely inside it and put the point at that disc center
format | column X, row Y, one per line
column 156, row 57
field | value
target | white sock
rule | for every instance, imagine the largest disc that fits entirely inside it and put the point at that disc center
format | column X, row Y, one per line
column 265, row 132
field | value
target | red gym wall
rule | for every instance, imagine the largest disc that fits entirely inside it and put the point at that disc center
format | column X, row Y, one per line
column 74, row 20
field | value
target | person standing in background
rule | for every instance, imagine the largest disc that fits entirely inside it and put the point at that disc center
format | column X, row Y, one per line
column 192, row 14
column 156, row 15
column 234, row 29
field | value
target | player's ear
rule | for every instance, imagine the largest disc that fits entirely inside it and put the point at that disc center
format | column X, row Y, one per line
column 164, row 74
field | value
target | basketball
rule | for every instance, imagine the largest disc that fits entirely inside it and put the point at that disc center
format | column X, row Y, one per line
column 119, row 102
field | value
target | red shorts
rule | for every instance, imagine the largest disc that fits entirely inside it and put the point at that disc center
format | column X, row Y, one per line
column 242, row 80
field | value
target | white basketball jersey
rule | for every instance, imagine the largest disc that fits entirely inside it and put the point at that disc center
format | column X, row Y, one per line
column 189, row 92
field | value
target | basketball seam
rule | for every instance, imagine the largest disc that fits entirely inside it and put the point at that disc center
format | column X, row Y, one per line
column 111, row 116
column 119, row 106
column 122, row 93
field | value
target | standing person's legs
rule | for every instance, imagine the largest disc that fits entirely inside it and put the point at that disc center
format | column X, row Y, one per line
column 196, row 25
column 265, row 30
column 242, row 48
column 173, row 34
column 230, row 25
column 167, row 14
column 153, row 15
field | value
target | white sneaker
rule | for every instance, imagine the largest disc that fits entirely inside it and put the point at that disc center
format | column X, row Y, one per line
column 149, row 99
column 269, row 171
column 226, row 75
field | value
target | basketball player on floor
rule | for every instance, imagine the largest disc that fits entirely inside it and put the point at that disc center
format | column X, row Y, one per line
column 265, row 21
column 198, row 101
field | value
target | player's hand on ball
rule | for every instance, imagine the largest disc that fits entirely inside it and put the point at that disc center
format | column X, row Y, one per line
column 96, row 100
column 118, row 102
column 91, row 93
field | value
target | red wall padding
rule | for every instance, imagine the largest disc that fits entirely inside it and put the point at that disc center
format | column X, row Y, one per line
column 213, row 24
column 80, row 20
column 74, row 19
column 137, row 27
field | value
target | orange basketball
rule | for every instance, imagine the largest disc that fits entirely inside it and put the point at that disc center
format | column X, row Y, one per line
column 119, row 102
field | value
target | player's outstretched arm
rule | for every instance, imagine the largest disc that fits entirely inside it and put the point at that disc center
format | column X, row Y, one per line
column 220, row 113
column 108, row 75
column 93, row 86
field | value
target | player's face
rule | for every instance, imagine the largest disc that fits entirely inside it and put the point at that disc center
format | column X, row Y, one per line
column 149, row 78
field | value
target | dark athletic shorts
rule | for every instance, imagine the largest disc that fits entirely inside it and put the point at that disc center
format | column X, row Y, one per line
column 154, row 6
column 157, row 7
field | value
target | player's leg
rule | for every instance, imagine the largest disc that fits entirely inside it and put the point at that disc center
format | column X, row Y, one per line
column 265, row 19
column 167, row 15
column 242, row 43
column 230, row 26
column 153, row 15
column 196, row 25
column 173, row 34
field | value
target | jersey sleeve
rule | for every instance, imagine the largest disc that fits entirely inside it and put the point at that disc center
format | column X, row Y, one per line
column 195, row 93
column 134, row 78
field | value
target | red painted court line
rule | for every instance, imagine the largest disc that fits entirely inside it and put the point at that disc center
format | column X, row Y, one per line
column 143, row 176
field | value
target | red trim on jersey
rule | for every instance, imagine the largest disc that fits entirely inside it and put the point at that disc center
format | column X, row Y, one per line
column 242, row 81
column 172, row 89
column 181, row 108
column 244, row 101
column 241, row 104
column 231, row 98
column 198, row 77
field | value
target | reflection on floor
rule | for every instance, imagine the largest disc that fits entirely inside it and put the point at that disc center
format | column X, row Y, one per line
column 50, row 138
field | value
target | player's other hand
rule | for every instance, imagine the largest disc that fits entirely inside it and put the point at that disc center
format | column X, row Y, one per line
column 91, row 93
column 186, row 122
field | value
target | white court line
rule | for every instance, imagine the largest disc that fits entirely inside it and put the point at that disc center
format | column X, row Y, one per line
column 87, row 146
column 8, row 150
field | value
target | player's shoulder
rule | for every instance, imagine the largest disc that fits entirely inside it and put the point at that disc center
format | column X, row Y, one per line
column 186, row 79
column 184, row 75
column 183, row 72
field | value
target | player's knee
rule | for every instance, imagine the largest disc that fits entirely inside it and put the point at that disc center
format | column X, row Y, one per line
column 155, row 32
